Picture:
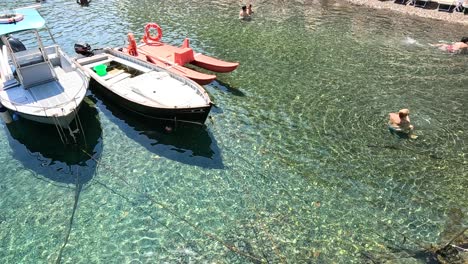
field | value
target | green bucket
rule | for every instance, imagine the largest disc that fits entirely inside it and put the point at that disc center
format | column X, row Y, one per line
column 100, row 69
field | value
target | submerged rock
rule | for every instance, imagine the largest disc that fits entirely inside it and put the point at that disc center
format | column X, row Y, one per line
column 451, row 255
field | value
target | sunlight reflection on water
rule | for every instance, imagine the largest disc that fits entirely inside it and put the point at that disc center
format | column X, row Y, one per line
column 297, row 165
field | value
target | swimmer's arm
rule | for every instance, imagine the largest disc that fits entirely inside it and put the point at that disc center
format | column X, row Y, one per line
column 395, row 126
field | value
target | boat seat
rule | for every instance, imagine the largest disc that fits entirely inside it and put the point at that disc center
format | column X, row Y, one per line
column 36, row 74
column 132, row 65
column 118, row 78
column 92, row 59
column 91, row 65
column 183, row 56
column 112, row 74
column 28, row 57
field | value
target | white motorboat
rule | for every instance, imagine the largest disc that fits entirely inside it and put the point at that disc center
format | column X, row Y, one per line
column 38, row 82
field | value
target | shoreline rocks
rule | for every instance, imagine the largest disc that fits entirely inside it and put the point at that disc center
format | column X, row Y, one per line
column 430, row 11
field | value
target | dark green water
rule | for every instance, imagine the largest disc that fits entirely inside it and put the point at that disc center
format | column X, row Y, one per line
column 297, row 165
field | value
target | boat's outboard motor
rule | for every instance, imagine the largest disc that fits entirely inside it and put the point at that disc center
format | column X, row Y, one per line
column 83, row 49
column 16, row 44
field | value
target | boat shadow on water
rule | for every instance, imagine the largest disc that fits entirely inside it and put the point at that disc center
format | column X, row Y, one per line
column 187, row 143
column 225, row 87
column 39, row 148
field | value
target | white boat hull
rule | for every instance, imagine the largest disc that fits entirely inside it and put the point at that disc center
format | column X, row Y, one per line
column 62, row 121
column 55, row 101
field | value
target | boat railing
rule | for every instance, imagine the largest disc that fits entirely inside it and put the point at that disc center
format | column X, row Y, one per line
column 84, row 86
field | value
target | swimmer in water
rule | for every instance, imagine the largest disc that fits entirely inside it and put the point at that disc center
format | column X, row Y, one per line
column 457, row 47
column 400, row 124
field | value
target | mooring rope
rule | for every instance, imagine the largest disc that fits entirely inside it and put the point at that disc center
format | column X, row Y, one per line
column 54, row 118
column 70, row 225
column 80, row 127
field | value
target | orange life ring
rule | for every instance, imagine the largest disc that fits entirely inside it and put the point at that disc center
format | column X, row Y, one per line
column 11, row 18
column 132, row 46
column 147, row 37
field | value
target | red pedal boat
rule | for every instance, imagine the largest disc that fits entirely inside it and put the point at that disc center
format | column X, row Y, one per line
column 174, row 58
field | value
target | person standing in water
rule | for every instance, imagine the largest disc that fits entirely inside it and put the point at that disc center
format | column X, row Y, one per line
column 249, row 10
column 400, row 124
column 243, row 13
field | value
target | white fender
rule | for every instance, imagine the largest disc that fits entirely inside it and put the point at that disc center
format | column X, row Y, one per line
column 8, row 73
column 2, row 68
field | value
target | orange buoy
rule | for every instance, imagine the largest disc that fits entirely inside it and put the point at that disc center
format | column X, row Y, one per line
column 147, row 37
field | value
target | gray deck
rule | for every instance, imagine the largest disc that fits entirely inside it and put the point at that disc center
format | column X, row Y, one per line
column 51, row 98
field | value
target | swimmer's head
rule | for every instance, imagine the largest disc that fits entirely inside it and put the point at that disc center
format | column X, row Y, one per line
column 403, row 112
column 464, row 40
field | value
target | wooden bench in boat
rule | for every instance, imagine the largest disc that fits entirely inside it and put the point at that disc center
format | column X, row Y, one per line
column 92, row 59
column 132, row 65
column 111, row 74
column 117, row 78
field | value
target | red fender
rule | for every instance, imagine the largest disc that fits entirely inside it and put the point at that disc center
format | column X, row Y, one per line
column 132, row 46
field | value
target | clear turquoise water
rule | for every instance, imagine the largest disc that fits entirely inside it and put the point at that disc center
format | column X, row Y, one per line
column 297, row 165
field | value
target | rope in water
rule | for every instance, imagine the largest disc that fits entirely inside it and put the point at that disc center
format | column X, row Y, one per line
column 72, row 217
